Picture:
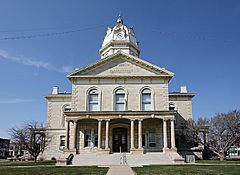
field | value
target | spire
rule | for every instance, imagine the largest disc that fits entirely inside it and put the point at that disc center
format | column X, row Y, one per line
column 119, row 20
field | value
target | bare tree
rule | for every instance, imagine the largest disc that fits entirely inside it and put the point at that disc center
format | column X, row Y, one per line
column 220, row 132
column 32, row 136
column 224, row 132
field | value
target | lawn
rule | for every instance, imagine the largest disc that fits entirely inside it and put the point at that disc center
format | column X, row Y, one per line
column 189, row 170
column 218, row 162
column 26, row 163
column 52, row 170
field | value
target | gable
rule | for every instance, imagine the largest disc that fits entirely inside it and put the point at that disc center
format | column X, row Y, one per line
column 119, row 67
column 121, row 64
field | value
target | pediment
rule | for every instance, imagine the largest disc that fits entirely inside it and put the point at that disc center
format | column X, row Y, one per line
column 121, row 64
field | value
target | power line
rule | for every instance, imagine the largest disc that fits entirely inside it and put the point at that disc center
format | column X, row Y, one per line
column 50, row 34
column 44, row 28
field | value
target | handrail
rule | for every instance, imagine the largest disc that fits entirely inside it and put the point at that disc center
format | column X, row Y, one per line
column 123, row 159
column 69, row 159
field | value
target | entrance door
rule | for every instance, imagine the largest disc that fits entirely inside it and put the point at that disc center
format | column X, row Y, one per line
column 119, row 139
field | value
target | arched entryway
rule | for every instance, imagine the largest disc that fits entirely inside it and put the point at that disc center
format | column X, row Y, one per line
column 119, row 135
column 87, row 135
column 119, row 139
column 152, row 135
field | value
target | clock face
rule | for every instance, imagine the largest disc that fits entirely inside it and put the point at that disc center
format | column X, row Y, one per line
column 120, row 36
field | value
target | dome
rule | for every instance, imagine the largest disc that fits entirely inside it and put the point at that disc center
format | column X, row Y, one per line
column 120, row 37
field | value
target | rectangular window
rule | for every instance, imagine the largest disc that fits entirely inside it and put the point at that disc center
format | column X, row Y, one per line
column 120, row 102
column 62, row 142
column 93, row 102
column 151, row 138
column 146, row 102
column 87, row 138
column 90, row 138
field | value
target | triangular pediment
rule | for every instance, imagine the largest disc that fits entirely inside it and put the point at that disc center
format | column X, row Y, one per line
column 121, row 64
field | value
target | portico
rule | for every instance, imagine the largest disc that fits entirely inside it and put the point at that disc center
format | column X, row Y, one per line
column 113, row 132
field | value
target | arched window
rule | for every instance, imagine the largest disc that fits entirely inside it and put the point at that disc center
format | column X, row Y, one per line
column 93, row 100
column 172, row 106
column 146, row 100
column 120, row 100
column 67, row 108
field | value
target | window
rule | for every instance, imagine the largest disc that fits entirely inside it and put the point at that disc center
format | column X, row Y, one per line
column 143, row 140
column 67, row 108
column 90, row 138
column 93, row 102
column 62, row 142
column 146, row 100
column 171, row 106
column 120, row 102
column 151, row 138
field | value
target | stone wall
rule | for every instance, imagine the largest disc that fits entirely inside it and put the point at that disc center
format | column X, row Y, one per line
column 159, row 89
column 183, row 106
column 52, row 149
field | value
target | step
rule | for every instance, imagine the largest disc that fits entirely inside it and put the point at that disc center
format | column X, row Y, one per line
column 132, row 160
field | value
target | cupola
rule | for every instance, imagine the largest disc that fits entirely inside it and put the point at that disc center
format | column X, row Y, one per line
column 120, row 37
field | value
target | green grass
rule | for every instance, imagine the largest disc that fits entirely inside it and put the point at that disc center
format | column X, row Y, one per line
column 54, row 170
column 218, row 162
column 188, row 170
column 26, row 163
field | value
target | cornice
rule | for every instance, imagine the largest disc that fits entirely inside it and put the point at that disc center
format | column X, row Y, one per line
column 178, row 94
column 50, row 96
column 79, row 113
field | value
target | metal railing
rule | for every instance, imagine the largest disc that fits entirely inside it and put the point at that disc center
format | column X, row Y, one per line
column 123, row 157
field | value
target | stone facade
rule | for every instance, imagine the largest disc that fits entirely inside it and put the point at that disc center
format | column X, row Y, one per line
column 121, row 103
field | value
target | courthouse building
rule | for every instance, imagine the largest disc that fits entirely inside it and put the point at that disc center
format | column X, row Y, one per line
column 119, row 104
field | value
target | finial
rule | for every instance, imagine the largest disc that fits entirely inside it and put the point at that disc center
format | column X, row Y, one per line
column 119, row 20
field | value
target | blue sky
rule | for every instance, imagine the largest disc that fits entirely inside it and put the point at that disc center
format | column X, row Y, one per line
column 40, row 41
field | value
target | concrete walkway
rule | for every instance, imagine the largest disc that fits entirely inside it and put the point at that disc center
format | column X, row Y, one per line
column 120, row 170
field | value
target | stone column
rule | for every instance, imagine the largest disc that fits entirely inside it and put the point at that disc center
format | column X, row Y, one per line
column 172, row 135
column 99, row 133
column 132, row 134
column 107, row 134
column 165, row 145
column 67, row 136
column 139, row 134
column 74, row 134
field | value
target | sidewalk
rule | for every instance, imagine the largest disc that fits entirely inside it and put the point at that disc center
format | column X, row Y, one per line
column 120, row 170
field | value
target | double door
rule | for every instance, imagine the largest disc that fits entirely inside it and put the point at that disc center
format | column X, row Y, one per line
column 119, row 139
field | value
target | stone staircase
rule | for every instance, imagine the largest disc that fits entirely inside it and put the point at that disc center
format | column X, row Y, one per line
column 154, row 158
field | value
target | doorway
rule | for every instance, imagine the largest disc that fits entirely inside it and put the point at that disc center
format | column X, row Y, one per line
column 119, row 139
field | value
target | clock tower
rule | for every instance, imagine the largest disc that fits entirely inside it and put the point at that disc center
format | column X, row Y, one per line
column 120, row 37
